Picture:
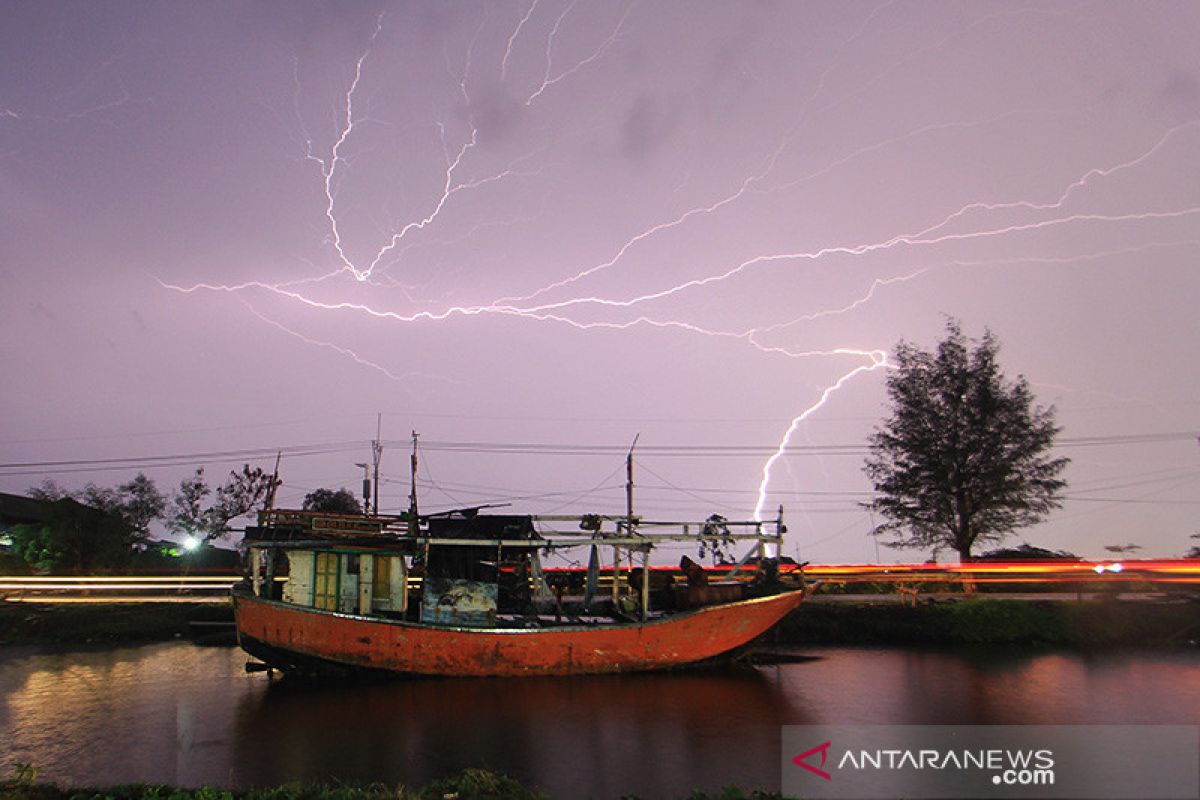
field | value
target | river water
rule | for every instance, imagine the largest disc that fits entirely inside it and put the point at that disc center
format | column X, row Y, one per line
column 187, row 715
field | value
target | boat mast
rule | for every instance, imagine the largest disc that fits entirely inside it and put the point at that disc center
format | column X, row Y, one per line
column 376, row 454
column 629, row 486
column 629, row 531
column 270, row 501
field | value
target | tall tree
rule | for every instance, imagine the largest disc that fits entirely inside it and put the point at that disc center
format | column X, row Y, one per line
column 964, row 458
column 141, row 502
column 330, row 502
column 188, row 515
column 242, row 493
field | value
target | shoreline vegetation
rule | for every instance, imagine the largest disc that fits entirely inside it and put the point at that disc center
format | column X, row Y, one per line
column 1106, row 622
column 470, row 784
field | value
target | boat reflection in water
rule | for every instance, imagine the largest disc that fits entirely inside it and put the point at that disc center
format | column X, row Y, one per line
column 188, row 716
column 657, row 735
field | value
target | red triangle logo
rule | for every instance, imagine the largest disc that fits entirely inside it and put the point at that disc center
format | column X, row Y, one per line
column 801, row 760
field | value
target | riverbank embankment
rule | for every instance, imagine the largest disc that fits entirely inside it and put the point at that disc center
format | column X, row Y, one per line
column 1167, row 622
column 110, row 623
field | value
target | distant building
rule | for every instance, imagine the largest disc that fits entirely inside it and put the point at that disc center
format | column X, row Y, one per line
column 16, row 509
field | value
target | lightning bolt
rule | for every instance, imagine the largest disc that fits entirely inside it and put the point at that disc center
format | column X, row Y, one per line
column 547, row 81
column 509, row 48
column 404, row 380
column 878, row 360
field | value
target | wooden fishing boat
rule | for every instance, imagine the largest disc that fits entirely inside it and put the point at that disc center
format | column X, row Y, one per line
column 291, row 638
column 462, row 593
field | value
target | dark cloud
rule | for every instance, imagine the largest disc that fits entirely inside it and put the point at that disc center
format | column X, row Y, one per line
column 495, row 112
column 649, row 123
column 311, row 27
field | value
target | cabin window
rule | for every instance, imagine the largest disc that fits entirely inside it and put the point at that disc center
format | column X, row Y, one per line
column 326, row 581
column 351, row 565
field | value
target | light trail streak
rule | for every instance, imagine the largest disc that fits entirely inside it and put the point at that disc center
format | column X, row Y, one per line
column 1072, row 576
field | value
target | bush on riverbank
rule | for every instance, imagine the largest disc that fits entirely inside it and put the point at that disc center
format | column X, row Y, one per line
column 984, row 621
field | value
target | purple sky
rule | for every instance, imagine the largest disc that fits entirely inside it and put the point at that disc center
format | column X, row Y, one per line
column 570, row 223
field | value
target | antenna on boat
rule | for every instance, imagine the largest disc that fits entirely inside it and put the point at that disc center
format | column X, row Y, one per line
column 412, row 495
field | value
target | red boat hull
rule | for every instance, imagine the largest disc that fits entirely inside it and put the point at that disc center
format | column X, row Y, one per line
column 296, row 638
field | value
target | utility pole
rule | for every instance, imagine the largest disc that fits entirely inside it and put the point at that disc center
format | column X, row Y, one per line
column 412, row 495
column 376, row 454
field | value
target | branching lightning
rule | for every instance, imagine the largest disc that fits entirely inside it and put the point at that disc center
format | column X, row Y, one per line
column 550, row 303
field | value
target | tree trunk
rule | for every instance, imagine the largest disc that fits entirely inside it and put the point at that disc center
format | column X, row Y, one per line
column 964, row 557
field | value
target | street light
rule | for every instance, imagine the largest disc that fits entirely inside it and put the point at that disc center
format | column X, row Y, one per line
column 366, row 484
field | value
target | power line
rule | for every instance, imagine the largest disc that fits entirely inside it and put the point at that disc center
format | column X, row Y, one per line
column 172, row 460
column 522, row 448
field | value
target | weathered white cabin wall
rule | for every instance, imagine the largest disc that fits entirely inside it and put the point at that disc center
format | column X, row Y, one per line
column 256, row 575
column 366, row 582
column 299, row 586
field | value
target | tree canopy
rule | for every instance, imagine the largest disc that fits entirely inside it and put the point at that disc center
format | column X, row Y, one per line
column 101, row 527
column 242, row 493
column 964, row 457
column 329, row 501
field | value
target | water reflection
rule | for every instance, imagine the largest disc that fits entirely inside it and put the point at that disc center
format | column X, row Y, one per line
column 187, row 715
column 617, row 734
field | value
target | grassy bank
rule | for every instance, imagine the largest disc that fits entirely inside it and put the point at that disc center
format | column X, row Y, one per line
column 471, row 784
column 1091, row 623
column 113, row 623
